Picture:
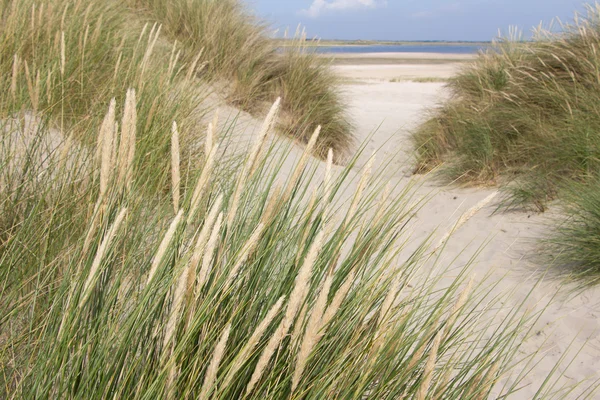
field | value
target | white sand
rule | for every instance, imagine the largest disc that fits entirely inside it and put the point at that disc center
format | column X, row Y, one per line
column 399, row 66
column 384, row 114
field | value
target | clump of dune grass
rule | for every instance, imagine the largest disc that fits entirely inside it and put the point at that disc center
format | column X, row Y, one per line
column 67, row 59
column 574, row 244
column 525, row 117
column 234, row 47
column 131, row 271
column 110, row 290
column 522, row 115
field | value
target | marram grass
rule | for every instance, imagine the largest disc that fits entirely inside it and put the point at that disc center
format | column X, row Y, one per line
column 201, row 305
column 524, row 116
column 135, row 265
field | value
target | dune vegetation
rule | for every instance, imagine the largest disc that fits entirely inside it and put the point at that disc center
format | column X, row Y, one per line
column 524, row 116
column 236, row 49
column 136, row 263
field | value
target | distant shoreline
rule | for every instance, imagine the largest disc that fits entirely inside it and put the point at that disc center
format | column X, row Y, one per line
column 365, row 43
column 398, row 58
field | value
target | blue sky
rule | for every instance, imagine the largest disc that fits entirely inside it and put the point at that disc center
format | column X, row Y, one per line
column 412, row 19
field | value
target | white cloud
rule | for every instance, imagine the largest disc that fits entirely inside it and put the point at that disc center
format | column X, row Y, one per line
column 318, row 7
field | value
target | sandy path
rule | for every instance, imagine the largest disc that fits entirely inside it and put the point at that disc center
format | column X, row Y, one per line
column 391, row 110
column 384, row 114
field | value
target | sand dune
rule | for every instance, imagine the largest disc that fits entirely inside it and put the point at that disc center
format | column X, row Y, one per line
column 384, row 113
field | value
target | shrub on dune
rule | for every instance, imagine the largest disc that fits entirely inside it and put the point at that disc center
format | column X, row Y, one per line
column 524, row 113
column 525, row 116
column 235, row 48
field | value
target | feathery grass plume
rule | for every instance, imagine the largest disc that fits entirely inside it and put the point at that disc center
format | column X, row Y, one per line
column 203, row 181
column 173, row 60
column 209, row 253
column 313, row 328
column 489, row 381
column 338, row 299
column 203, row 237
column 443, row 384
column 248, row 168
column 381, row 205
column 298, row 327
column 128, row 134
column 178, row 298
column 213, row 367
column 176, row 307
column 429, row 367
column 107, row 131
column 306, row 154
column 418, row 354
column 15, row 75
column 152, row 38
column 63, row 59
column 297, row 297
column 245, row 252
column 100, row 255
column 271, row 206
column 460, row 302
column 215, row 123
column 175, row 160
column 192, row 69
column 327, row 181
column 362, row 184
column 130, row 131
column 210, row 134
column 465, row 217
column 164, row 245
column 248, row 348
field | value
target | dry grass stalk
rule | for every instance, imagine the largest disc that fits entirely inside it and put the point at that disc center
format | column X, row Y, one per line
column 429, row 368
column 298, row 327
column 253, row 341
column 271, row 206
column 489, row 381
column 418, row 354
column 465, row 217
column 338, row 299
column 460, row 302
column 268, row 123
column 201, row 244
column 106, row 138
column 313, row 331
column 210, row 138
column 443, row 384
column 15, row 74
column 362, row 184
column 302, row 163
column 192, row 69
column 209, row 254
column 203, row 179
column 152, row 38
column 129, row 131
column 213, row 367
column 178, row 297
column 245, row 253
column 297, row 297
column 173, row 60
column 62, row 54
column 127, row 126
column 100, row 255
column 175, row 161
column 164, row 245
column 388, row 302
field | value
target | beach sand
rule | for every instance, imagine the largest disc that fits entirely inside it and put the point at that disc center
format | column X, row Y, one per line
column 389, row 111
column 505, row 244
column 399, row 66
